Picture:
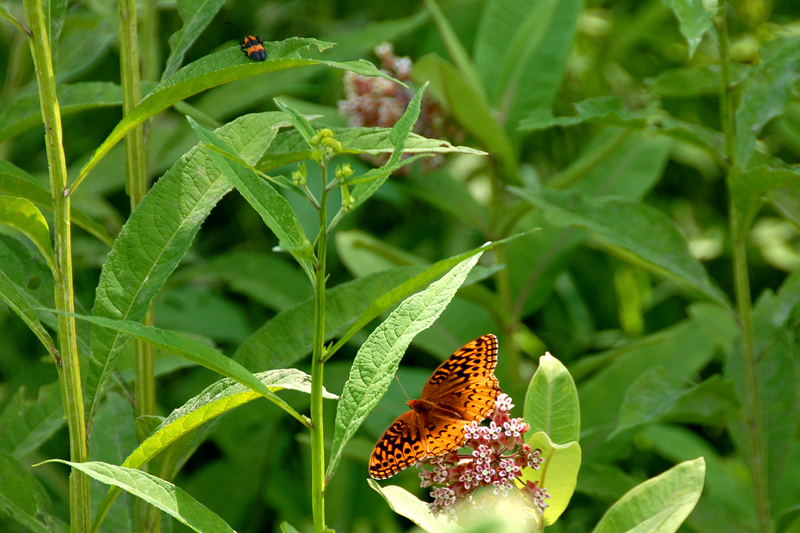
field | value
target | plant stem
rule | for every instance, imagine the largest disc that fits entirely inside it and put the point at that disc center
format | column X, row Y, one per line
column 739, row 230
column 317, row 437
column 69, row 372
column 147, row 516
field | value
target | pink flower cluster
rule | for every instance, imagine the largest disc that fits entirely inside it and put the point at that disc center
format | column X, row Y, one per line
column 498, row 456
column 372, row 101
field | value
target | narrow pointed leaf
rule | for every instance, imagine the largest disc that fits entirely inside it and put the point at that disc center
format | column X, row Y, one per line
column 378, row 358
column 157, row 492
column 215, row 69
column 196, row 16
column 14, row 297
column 694, row 19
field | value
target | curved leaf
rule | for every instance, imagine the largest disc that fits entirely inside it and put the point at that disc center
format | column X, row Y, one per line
column 157, row 235
column 22, row 215
column 663, row 502
column 157, row 492
column 196, row 15
column 378, row 358
column 16, row 300
column 551, row 404
column 215, row 69
column 25, row 499
column 406, row 504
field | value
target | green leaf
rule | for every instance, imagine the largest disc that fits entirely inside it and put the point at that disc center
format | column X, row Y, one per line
column 551, row 404
column 286, row 527
column 406, row 504
column 291, row 147
column 155, row 238
column 215, row 69
column 452, row 90
column 398, row 137
column 362, row 254
column 748, row 189
column 647, row 400
column 558, row 474
column 693, row 81
column 196, row 16
column 55, row 11
column 694, row 19
column 113, row 438
column 274, row 209
column 193, row 351
column 764, row 93
column 16, row 299
column 300, row 123
column 449, row 195
column 213, row 401
column 25, row 217
column 16, row 182
column 24, row 499
column 378, row 358
column 521, row 51
column 660, row 504
column 27, row 424
column 157, row 492
column 9, row 17
column 609, row 110
column 636, row 232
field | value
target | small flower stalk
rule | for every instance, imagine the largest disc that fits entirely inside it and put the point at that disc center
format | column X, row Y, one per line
column 470, row 484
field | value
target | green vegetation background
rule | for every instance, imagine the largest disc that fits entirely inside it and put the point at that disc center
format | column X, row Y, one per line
column 629, row 336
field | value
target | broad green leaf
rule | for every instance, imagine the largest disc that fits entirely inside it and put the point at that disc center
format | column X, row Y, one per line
column 215, row 69
column 25, row 217
column 215, row 400
column 270, row 347
column 391, row 297
column 634, row 231
column 113, row 438
column 398, row 137
column 55, row 11
column 765, row 92
column 524, row 62
column 696, row 80
column 243, row 270
column 449, row 195
column 558, row 474
column 193, row 351
column 694, row 19
column 749, row 188
column 155, row 238
column 157, row 492
column 378, row 358
column 16, row 182
column 15, row 298
column 551, row 404
column 683, row 350
column 406, row 504
column 274, row 209
column 647, row 400
column 27, row 424
column 24, row 499
column 450, row 88
column 363, row 254
column 662, row 502
column 290, row 147
column 709, row 403
column 196, row 16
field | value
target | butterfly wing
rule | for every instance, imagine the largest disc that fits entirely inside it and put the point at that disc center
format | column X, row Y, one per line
column 400, row 446
column 465, row 382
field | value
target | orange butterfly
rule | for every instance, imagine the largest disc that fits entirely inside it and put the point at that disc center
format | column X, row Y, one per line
column 460, row 390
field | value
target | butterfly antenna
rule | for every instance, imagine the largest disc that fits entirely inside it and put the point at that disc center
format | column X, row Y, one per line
column 401, row 387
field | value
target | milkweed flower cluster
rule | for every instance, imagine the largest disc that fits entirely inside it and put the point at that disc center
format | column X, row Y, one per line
column 378, row 102
column 499, row 454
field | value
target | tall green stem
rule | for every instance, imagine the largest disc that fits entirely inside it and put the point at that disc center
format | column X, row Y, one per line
column 317, row 437
column 739, row 229
column 69, row 372
column 147, row 517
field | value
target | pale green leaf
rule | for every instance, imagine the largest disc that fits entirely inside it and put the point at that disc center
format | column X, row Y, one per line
column 662, row 502
column 406, row 504
column 157, row 492
column 551, row 404
column 378, row 358
column 558, row 474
